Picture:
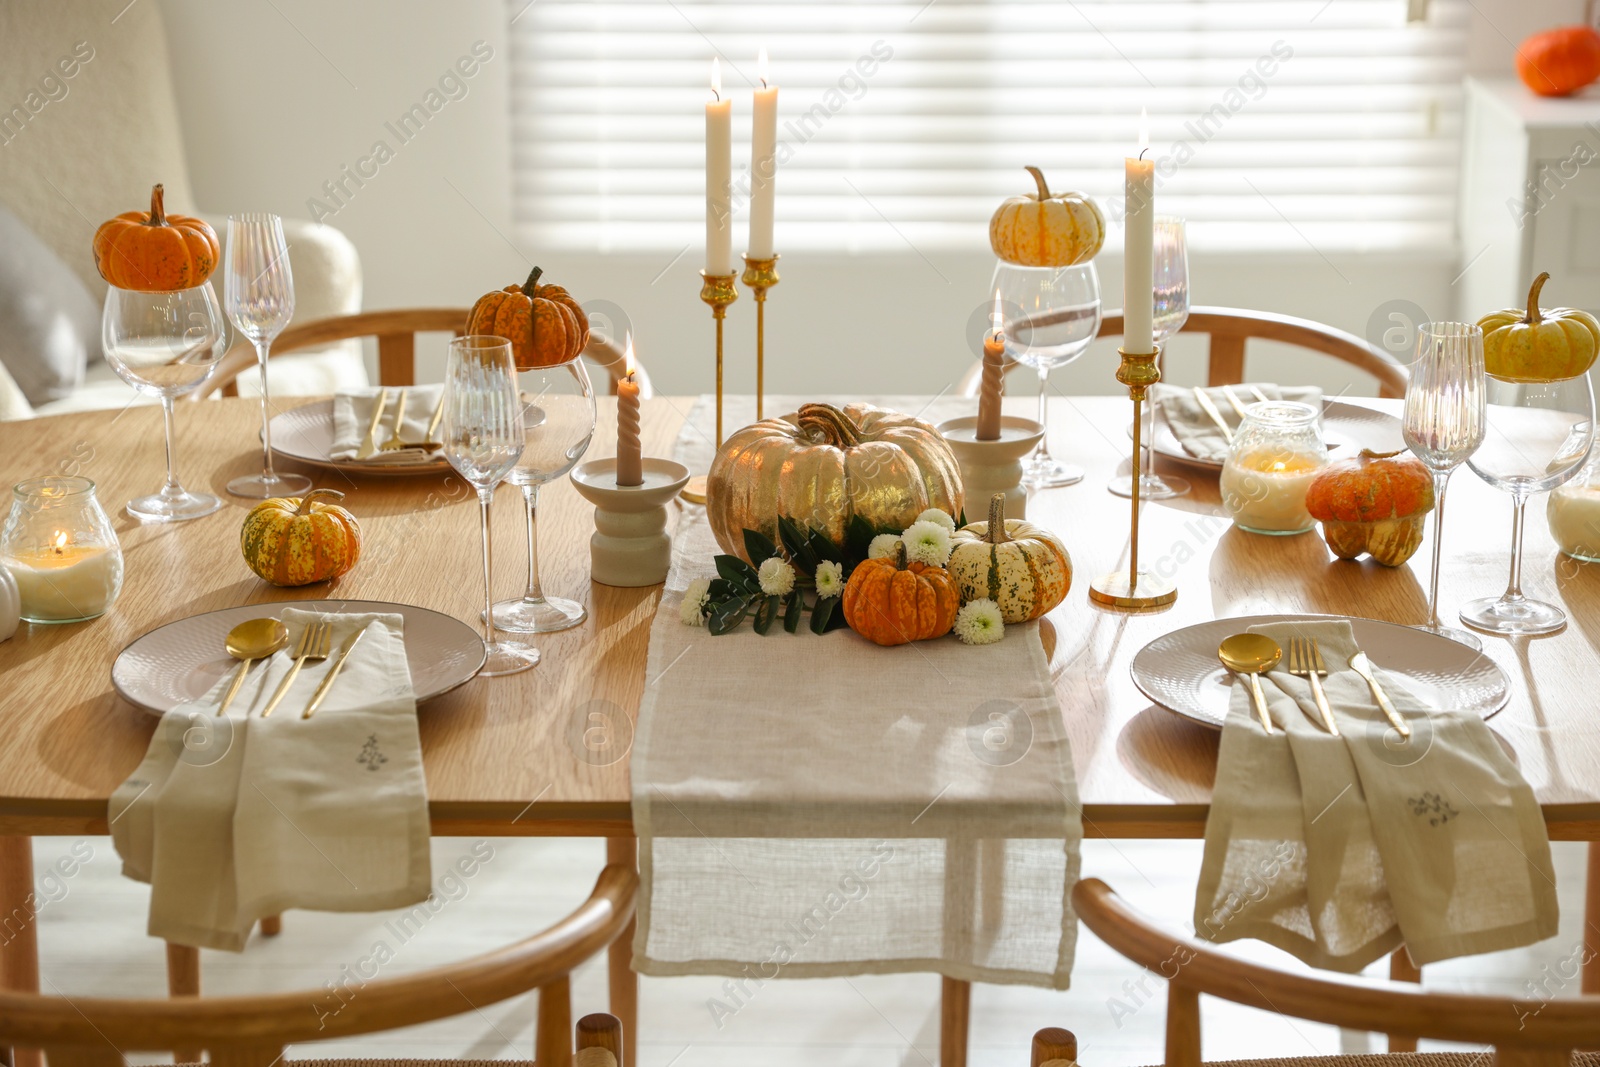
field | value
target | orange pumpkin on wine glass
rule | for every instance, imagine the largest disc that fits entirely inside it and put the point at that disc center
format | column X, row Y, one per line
column 544, row 323
column 154, row 252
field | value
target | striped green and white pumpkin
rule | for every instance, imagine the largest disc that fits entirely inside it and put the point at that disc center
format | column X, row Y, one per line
column 1023, row 568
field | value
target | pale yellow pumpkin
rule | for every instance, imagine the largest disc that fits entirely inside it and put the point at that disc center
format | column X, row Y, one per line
column 1046, row 229
column 1023, row 568
column 1539, row 344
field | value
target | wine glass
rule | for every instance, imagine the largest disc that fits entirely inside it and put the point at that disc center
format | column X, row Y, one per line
column 483, row 439
column 1051, row 315
column 1540, row 434
column 164, row 344
column 1171, row 312
column 260, row 295
column 557, row 425
column 1443, row 424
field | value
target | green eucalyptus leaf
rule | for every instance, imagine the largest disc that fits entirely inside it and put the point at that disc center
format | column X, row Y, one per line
column 797, row 543
column 758, row 546
column 793, row 607
column 739, row 573
column 727, row 615
column 823, row 612
column 823, row 548
column 766, row 613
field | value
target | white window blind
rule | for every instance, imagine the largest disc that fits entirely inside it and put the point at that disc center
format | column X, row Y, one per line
column 1325, row 125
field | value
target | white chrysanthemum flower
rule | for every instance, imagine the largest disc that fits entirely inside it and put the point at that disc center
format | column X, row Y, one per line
column 830, row 579
column 777, row 577
column 882, row 545
column 979, row 622
column 940, row 517
column 692, row 610
column 927, row 542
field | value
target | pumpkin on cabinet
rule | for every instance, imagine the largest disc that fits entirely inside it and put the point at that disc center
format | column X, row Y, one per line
column 293, row 541
column 544, row 324
column 1023, row 568
column 1539, row 344
column 1561, row 61
column 1045, row 229
column 1375, row 503
column 154, row 252
column 891, row 602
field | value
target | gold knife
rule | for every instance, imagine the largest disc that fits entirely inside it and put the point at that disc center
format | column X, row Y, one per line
column 430, row 440
column 333, row 672
column 369, row 446
column 1362, row 666
column 1209, row 408
column 1233, row 400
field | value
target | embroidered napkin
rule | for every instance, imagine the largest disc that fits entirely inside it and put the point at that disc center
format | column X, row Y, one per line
column 232, row 819
column 1194, row 427
column 352, row 414
column 1452, row 856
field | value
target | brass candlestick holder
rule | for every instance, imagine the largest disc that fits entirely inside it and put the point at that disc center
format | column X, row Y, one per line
column 760, row 275
column 719, row 291
column 1132, row 590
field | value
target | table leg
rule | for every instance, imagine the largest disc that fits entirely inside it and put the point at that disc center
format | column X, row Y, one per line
column 19, row 936
column 271, row 925
column 624, row 983
column 1401, row 969
column 1591, row 922
column 955, row 1004
column 183, row 980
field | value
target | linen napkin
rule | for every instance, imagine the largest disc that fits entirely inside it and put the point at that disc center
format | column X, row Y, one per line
column 1437, row 842
column 1194, row 428
column 235, row 818
column 352, row 414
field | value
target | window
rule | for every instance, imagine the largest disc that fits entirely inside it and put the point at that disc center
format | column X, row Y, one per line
column 1330, row 125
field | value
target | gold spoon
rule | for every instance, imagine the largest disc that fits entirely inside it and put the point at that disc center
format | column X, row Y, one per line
column 1250, row 655
column 248, row 642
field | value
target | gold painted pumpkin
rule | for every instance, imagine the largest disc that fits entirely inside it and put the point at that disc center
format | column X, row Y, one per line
column 1046, row 229
column 300, row 540
column 153, row 252
column 1539, row 345
column 544, row 323
column 1023, row 568
column 826, row 466
column 891, row 602
column 1375, row 503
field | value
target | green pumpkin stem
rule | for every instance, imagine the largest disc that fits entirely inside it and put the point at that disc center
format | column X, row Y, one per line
column 532, row 283
column 332, row 496
column 158, row 206
column 996, row 534
column 1038, row 177
column 1533, row 299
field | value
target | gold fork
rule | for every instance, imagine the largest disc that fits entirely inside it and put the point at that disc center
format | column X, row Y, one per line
column 314, row 643
column 394, row 443
column 1210, row 409
column 1305, row 661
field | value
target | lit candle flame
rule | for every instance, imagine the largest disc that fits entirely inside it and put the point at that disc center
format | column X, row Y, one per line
column 762, row 64
column 61, row 541
column 996, row 319
column 627, row 356
column 1144, row 130
column 716, row 78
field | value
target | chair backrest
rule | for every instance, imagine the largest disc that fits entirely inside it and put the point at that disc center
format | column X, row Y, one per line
column 396, row 331
column 252, row 1031
column 1529, row 1033
column 1231, row 328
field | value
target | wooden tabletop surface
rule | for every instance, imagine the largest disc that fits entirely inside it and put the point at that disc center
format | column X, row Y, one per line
column 518, row 754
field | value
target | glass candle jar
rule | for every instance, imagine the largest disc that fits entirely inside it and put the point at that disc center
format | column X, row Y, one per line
column 1275, row 454
column 1574, row 511
column 59, row 546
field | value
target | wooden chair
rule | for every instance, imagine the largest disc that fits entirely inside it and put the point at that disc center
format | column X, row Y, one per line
column 251, row 1031
column 1230, row 328
column 1524, row 1033
column 396, row 331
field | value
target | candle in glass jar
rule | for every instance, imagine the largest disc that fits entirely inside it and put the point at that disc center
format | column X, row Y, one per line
column 1138, row 254
column 763, row 165
column 630, row 467
column 993, row 385
column 1265, row 491
column 1574, row 514
column 719, row 178
column 65, row 582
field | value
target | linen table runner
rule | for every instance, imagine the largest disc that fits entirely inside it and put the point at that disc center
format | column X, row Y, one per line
column 237, row 818
column 1438, row 841
column 817, row 805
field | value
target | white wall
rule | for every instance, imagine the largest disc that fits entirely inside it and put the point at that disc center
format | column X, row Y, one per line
column 275, row 104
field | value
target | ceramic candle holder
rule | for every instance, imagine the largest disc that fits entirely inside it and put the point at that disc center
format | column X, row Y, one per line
column 990, row 467
column 630, row 546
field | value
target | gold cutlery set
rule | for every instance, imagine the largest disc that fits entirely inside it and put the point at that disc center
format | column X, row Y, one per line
column 1203, row 398
column 370, row 445
column 1251, row 655
column 260, row 639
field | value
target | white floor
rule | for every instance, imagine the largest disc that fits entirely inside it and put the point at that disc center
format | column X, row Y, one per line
column 92, row 942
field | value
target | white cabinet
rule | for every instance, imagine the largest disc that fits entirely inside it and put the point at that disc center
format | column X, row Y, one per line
column 1530, row 198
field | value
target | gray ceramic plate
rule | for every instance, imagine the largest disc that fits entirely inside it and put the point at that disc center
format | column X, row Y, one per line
column 1347, row 428
column 305, row 434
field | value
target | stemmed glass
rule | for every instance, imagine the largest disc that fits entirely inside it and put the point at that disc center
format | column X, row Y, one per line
column 1171, row 312
column 1443, row 424
column 483, row 439
column 1540, row 434
column 557, row 424
column 260, row 295
column 1051, row 315
column 164, row 344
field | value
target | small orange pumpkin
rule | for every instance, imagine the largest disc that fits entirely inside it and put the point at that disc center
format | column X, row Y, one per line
column 1375, row 503
column 1559, row 62
column 299, row 540
column 891, row 602
column 153, row 252
column 544, row 323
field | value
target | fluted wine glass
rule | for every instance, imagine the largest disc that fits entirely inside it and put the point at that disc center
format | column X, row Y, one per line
column 259, row 292
column 165, row 345
column 1539, row 436
column 1443, row 424
column 558, row 414
column 1171, row 312
column 482, row 433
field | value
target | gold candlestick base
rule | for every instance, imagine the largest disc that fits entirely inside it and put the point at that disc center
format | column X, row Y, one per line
column 719, row 291
column 760, row 275
column 1132, row 590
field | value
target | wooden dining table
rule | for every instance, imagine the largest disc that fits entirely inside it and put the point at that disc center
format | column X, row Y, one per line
column 544, row 752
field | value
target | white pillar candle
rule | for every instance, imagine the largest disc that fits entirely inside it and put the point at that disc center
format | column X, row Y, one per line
column 763, row 165
column 1138, row 256
column 1265, row 491
column 66, row 582
column 719, row 178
